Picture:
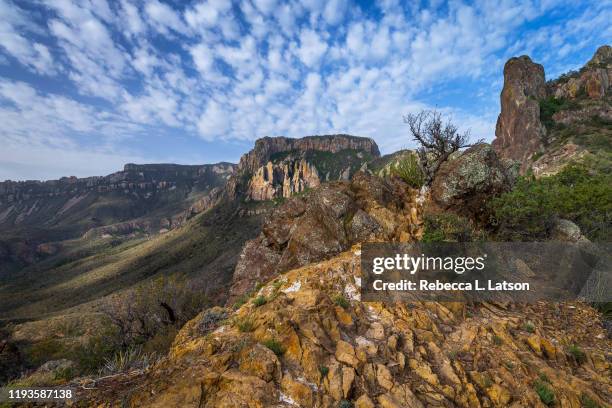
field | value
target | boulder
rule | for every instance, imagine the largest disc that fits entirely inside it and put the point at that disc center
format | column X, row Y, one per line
column 466, row 183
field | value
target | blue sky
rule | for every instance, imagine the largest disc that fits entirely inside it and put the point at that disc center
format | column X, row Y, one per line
column 89, row 85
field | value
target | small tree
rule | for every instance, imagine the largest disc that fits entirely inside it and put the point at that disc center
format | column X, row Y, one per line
column 437, row 140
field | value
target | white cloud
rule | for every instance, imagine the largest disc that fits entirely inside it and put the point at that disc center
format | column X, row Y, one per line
column 163, row 17
column 265, row 6
column 334, row 11
column 214, row 123
column 312, row 48
column 33, row 55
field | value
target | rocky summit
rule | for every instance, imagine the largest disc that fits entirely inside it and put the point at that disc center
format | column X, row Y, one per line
column 549, row 122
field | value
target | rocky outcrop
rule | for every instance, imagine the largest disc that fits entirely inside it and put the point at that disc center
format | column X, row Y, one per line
column 466, row 183
column 265, row 147
column 282, row 180
column 594, row 80
column 519, row 132
column 324, row 222
column 262, row 176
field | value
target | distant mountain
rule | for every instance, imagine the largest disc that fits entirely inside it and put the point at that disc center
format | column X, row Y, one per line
column 153, row 219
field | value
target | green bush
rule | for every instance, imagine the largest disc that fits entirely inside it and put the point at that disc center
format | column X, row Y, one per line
column 40, row 352
column 345, row 404
column 576, row 352
column 448, row 227
column 275, row 346
column 407, row 168
column 551, row 105
column 341, row 301
column 588, row 402
column 240, row 301
column 245, row 324
column 91, row 355
column 529, row 327
column 259, row 301
column 324, row 371
column 577, row 193
column 546, row 394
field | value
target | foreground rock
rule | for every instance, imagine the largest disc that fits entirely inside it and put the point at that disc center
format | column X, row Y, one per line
column 325, row 222
column 318, row 353
column 466, row 183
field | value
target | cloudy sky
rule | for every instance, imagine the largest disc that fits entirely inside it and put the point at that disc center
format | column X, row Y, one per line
column 88, row 85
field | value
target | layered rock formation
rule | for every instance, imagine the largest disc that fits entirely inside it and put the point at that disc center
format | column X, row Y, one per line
column 145, row 186
column 278, row 167
column 519, row 132
column 594, row 79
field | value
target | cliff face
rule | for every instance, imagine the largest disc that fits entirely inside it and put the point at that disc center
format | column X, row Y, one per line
column 543, row 124
column 149, row 186
column 280, row 166
column 519, row 132
column 267, row 146
column 282, row 180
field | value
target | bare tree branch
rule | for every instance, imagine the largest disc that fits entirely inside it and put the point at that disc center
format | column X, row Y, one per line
column 438, row 140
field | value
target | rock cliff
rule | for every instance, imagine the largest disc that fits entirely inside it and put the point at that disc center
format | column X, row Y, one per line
column 519, row 132
column 278, row 167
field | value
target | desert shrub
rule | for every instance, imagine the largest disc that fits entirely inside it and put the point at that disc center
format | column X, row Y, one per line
column 240, row 301
column 546, row 394
column 407, row 168
column 46, row 350
column 64, row 374
column 245, row 324
column 588, row 402
column 576, row 352
column 529, row 327
column 324, row 371
column 260, row 301
column 529, row 211
column 437, row 140
column 448, row 227
column 497, row 340
column 211, row 318
column 154, row 307
column 275, row 346
column 91, row 355
column 341, row 301
column 551, row 105
column 345, row 404
column 132, row 358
